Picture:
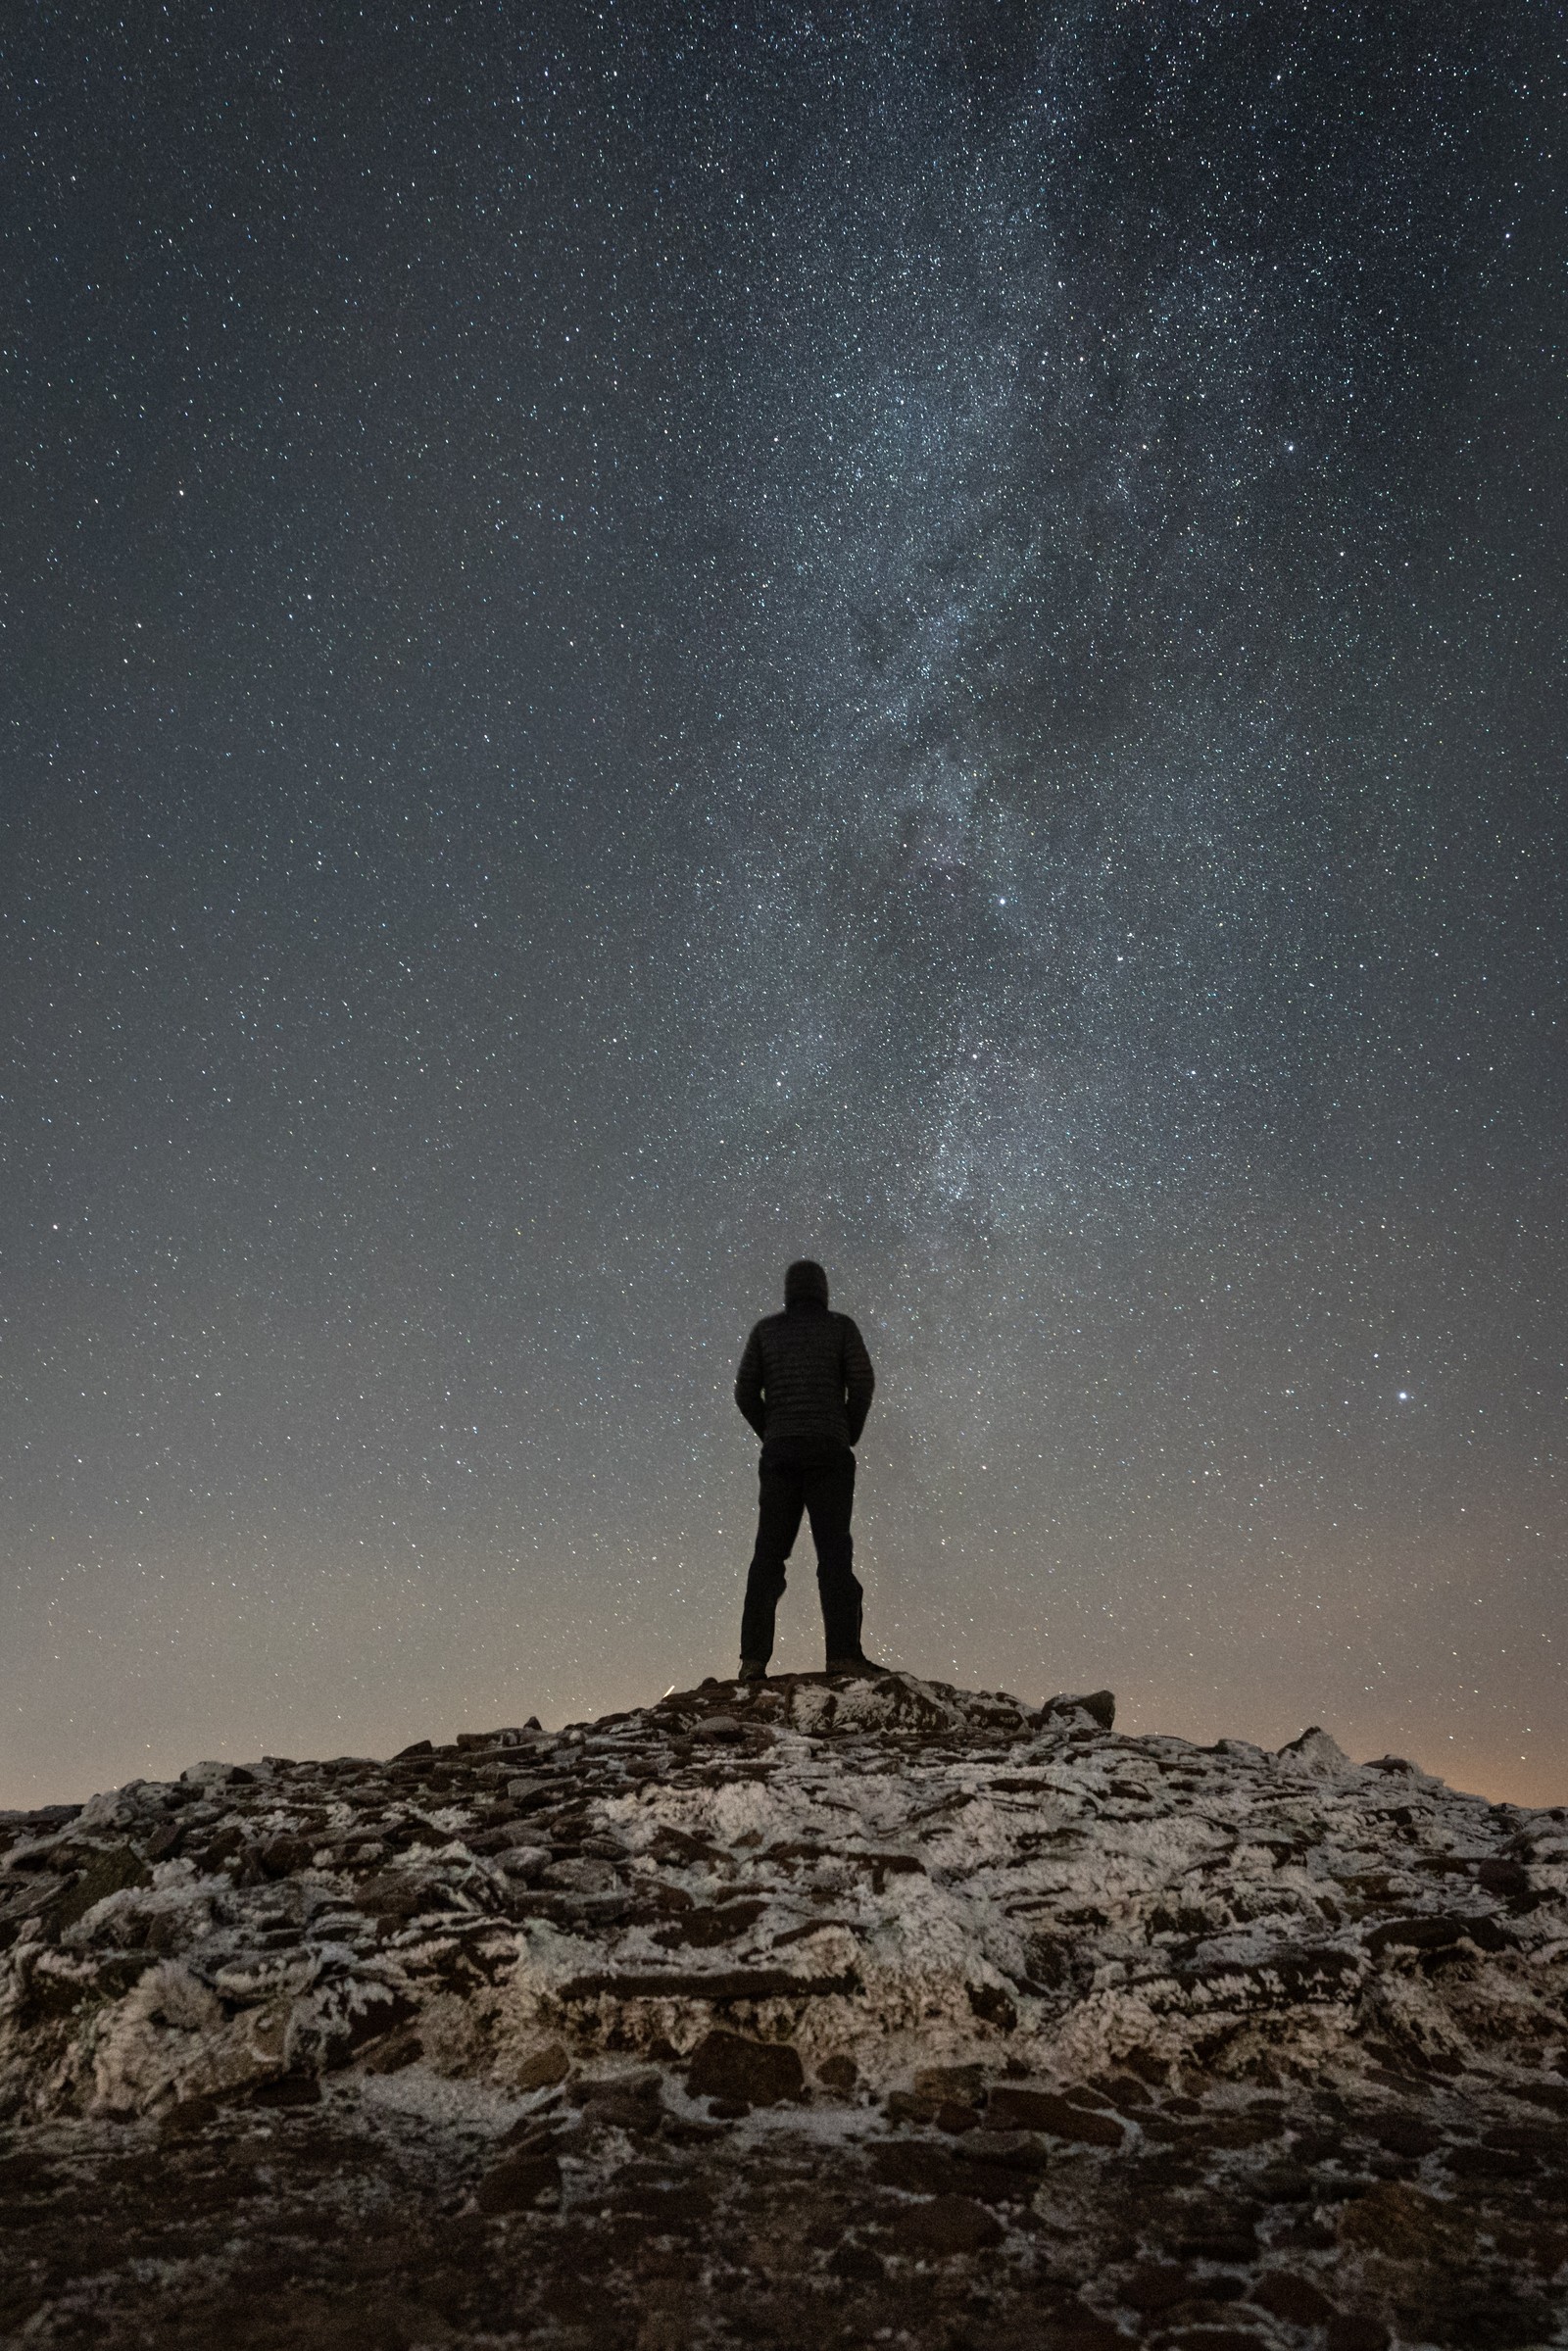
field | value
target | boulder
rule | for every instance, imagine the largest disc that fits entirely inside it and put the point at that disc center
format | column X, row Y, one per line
column 1100, row 1707
column 751, row 2072
column 1315, row 1752
column 944, row 2226
column 518, row 2181
column 1294, row 2299
column 1013, row 2109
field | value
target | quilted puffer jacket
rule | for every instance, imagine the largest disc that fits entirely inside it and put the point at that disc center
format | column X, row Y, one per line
column 806, row 1380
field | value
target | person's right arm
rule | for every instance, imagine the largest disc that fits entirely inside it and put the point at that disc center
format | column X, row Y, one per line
column 749, row 1384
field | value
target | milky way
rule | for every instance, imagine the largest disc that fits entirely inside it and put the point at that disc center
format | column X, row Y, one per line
column 640, row 640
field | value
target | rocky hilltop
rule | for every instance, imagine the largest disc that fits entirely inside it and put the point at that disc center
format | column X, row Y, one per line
column 814, row 2012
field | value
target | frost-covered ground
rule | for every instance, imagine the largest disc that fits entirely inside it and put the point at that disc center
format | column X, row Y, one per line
column 821, row 2013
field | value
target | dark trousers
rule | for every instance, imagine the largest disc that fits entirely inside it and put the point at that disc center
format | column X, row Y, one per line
column 790, row 1484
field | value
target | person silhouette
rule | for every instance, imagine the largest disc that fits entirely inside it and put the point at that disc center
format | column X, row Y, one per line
column 805, row 1385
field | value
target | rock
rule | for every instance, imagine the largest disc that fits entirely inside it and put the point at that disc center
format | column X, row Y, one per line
column 1229, row 2132
column 1228, row 2241
column 1502, row 1876
column 1155, row 2286
column 917, row 2166
column 1489, row 2163
column 990, row 2004
column 1406, row 2135
column 365, row 2011
column 704, row 1930
column 397, row 1897
column 519, row 2181
column 393, row 2053
column 1314, row 1751
column 1013, row 2150
column 108, row 1872
column 1295, row 2299
column 26, row 2175
column 720, row 1988
column 1425, row 1933
column 858, row 2264
column 584, row 1876
column 1077, row 2329
column 111, row 1808
column 958, row 2084
column 1350, row 2332
column 225, row 1847
column 286, row 2090
column 1012, row 2109
column 1286, row 2182
column 632, row 2108
column 502, row 1836
column 838, row 2073
column 541, row 2069
column 1404, row 2225
column 946, row 2226
column 1551, row 2094
column 1100, row 1706
column 755, row 2072
column 279, row 1856
column 955, row 2118
column 908, row 2106
column 1530, row 2138
column 523, row 1862
column 1216, row 2338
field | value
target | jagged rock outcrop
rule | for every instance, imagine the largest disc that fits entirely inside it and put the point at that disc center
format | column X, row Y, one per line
column 844, row 2005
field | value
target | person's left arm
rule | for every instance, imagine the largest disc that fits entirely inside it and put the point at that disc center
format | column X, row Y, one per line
column 860, row 1380
column 749, row 1384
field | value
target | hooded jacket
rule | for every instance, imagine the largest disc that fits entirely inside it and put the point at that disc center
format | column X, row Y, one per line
column 806, row 1380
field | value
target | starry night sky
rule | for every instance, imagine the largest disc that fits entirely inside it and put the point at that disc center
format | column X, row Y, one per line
column 640, row 639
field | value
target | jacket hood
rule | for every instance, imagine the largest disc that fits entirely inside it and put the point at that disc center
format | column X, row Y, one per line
column 806, row 1284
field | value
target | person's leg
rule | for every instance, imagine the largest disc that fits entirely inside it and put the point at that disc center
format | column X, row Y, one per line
column 830, row 1499
column 780, row 1502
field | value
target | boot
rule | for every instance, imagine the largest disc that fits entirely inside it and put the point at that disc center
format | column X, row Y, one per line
column 859, row 1664
column 752, row 1671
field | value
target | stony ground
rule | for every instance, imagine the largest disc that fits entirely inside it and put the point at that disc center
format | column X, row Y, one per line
column 832, row 2013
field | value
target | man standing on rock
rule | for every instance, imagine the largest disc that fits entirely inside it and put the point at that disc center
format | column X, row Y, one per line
column 804, row 1383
